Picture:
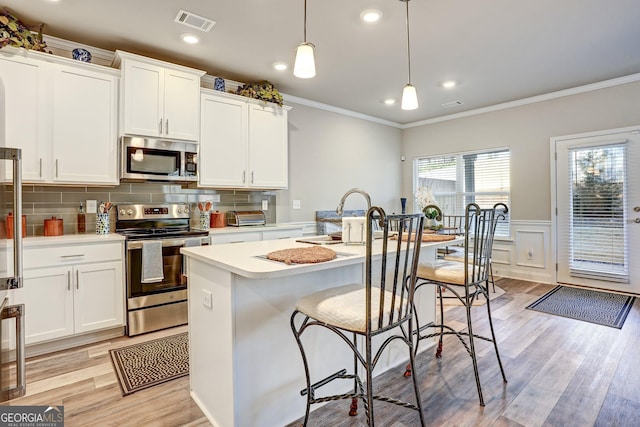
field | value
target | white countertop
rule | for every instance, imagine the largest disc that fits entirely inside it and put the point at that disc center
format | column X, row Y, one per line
column 67, row 239
column 247, row 258
column 250, row 228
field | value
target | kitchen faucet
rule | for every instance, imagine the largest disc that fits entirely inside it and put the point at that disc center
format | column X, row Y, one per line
column 340, row 207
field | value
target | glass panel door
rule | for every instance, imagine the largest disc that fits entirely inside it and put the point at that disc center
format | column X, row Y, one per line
column 597, row 226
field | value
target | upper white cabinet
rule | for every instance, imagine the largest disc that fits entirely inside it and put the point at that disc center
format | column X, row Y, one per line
column 243, row 143
column 60, row 114
column 159, row 99
column 84, row 127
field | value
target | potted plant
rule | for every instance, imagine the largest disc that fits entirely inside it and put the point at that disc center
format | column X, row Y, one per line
column 426, row 202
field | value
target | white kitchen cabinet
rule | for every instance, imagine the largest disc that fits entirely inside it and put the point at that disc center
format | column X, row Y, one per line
column 84, row 127
column 26, row 113
column 243, row 143
column 159, row 99
column 252, row 234
column 72, row 289
column 61, row 113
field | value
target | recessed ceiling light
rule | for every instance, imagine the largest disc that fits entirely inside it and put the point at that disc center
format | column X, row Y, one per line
column 389, row 101
column 448, row 84
column 190, row 38
column 371, row 15
column 280, row 66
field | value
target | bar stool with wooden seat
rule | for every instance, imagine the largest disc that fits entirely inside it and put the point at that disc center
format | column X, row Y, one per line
column 465, row 280
column 381, row 306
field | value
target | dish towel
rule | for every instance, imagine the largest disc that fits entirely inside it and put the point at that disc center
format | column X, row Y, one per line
column 152, row 261
column 192, row 241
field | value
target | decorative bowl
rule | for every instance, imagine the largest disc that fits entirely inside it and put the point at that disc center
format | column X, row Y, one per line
column 81, row 55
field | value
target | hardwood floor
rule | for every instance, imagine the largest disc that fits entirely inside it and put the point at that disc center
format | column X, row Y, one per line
column 561, row 372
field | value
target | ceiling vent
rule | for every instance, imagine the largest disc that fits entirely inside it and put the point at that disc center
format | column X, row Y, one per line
column 452, row 104
column 194, row 21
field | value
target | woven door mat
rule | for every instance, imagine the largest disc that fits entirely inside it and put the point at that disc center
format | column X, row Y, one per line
column 602, row 308
column 151, row 363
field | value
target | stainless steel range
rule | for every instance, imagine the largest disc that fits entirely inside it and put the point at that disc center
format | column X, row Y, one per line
column 155, row 234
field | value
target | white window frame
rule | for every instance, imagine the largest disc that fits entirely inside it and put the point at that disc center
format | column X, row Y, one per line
column 504, row 231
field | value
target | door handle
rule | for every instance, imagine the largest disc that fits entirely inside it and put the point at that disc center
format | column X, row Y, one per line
column 637, row 220
column 77, row 279
column 166, row 126
column 17, row 311
column 68, row 280
column 160, row 126
column 636, row 209
column 56, row 168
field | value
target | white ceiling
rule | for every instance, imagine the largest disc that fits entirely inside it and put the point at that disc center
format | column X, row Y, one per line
column 497, row 50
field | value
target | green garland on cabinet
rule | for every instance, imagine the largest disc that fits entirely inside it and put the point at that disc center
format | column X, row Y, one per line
column 263, row 91
column 15, row 33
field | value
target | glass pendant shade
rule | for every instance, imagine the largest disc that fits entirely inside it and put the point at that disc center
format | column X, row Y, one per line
column 409, row 97
column 305, row 66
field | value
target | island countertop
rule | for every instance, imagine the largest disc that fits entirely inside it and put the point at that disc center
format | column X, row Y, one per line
column 248, row 259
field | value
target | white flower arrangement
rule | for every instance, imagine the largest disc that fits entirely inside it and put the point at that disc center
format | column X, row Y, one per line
column 424, row 198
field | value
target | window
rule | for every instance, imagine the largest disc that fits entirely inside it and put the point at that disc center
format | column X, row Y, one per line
column 481, row 177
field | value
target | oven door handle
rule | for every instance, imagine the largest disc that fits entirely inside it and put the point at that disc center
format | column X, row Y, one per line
column 137, row 244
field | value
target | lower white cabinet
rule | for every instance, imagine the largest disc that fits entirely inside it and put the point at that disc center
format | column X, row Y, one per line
column 255, row 235
column 84, row 294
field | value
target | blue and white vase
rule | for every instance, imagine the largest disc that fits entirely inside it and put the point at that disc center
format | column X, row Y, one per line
column 81, row 55
column 218, row 84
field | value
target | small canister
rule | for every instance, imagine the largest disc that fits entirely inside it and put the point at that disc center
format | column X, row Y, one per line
column 53, row 227
column 9, row 226
column 218, row 219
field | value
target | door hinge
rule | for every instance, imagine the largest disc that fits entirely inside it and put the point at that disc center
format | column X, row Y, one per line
column 556, row 266
column 556, row 155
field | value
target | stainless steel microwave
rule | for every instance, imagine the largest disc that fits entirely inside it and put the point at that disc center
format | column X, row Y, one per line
column 145, row 159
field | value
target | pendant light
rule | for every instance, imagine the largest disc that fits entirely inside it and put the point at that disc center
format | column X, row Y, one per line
column 305, row 66
column 409, row 95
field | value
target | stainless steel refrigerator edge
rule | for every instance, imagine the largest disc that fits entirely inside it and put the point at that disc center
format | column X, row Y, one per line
column 11, row 313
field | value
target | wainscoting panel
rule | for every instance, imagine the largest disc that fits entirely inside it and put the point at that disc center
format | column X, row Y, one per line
column 528, row 256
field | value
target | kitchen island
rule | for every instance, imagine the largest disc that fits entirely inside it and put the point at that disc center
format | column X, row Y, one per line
column 245, row 366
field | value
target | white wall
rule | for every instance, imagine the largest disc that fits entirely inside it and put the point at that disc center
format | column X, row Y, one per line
column 526, row 130
column 330, row 153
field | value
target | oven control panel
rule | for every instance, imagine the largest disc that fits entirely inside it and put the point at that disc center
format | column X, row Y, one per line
column 164, row 211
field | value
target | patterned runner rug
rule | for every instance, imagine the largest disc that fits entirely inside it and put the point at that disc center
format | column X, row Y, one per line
column 150, row 363
column 602, row 308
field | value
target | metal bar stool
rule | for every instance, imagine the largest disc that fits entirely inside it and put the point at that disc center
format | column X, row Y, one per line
column 359, row 312
column 467, row 280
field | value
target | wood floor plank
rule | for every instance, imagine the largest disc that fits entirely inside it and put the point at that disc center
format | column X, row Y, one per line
column 561, row 372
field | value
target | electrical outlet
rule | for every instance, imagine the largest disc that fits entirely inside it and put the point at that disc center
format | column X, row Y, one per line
column 207, row 298
column 296, row 204
column 265, row 205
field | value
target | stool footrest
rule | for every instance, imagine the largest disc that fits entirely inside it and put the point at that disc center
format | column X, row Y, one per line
column 340, row 374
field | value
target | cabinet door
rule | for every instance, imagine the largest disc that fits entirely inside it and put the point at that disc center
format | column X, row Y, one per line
column 48, row 298
column 142, row 98
column 99, row 296
column 181, row 105
column 223, row 142
column 268, row 155
column 84, row 127
column 25, row 114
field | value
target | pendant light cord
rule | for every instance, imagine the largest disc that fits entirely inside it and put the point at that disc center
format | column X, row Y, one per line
column 408, row 46
column 305, row 21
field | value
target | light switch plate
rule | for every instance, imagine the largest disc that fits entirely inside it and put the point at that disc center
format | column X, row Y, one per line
column 207, row 298
column 296, row 204
column 265, row 205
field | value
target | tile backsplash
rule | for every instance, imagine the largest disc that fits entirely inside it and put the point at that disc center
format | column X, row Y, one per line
column 42, row 202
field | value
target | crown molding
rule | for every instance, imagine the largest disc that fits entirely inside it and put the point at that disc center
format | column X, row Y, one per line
column 531, row 100
column 55, row 42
